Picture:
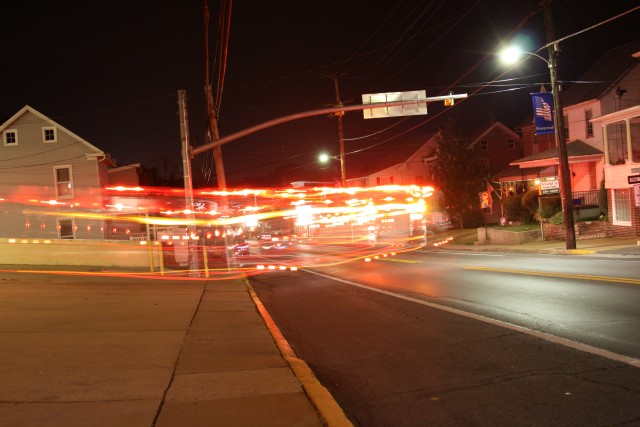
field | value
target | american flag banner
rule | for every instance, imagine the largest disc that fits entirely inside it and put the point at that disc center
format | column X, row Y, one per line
column 543, row 112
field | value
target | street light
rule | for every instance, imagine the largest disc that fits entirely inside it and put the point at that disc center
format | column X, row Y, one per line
column 513, row 54
column 324, row 158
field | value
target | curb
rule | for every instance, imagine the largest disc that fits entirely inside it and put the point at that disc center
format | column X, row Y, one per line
column 328, row 409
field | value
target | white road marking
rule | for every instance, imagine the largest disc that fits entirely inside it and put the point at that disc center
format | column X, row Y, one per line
column 548, row 337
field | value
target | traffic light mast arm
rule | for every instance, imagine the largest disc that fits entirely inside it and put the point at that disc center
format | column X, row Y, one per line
column 323, row 111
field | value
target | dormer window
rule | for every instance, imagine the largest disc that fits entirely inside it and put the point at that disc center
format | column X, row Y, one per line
column 49, row 134
column 11, row 137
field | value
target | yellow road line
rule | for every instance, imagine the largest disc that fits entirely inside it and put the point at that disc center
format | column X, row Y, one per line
column 562, row 275
column 408, row 261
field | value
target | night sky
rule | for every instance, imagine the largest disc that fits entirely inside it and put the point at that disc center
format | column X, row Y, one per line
column 110, row 72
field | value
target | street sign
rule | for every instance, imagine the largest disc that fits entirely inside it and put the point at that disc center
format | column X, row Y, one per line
column 633, row 179
column 399, row 110
column 550, row 187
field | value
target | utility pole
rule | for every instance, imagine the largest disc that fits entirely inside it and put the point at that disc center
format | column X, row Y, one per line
column 188, row 186
column 214, row 133
column 561, row 140
column 339, row 115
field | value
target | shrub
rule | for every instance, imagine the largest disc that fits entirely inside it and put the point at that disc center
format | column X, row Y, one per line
column 558, row 218
column 513, row 208
column 547, row 209
column 530, row 200
column 603, row 200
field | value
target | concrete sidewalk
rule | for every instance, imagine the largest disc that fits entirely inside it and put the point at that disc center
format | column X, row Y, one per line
column 87, row 348
column 601, row 246
column 90, row 349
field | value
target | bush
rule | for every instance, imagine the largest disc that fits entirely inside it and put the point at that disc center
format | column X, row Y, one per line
column 603, row 201
column 513, row 208
column 557, row 219
column 530, row 201
column 549, row 209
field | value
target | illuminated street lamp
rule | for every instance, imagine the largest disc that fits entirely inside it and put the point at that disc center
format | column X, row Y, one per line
column 513, row 54
column 324, row 158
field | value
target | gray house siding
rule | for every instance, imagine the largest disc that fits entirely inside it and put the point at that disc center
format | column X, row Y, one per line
column 28, row 181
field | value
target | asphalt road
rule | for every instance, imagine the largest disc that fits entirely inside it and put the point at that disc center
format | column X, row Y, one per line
column 392, row 358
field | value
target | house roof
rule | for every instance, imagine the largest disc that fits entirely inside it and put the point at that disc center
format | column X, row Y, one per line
column 377, row 160
column 95, row 150
column 603, row 74
column 403, row 152
column 516, row 173
column 476, row 134
column 575, row 148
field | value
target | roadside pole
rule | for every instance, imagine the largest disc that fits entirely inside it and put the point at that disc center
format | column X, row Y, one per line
column 188, row 182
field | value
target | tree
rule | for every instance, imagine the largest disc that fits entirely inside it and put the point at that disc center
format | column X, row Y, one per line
column 457, row 173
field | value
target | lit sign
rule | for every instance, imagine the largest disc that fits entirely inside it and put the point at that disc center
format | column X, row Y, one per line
column 550, row 187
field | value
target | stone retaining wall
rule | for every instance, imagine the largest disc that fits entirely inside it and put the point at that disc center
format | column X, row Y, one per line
column 495, row 236
column 105, row 253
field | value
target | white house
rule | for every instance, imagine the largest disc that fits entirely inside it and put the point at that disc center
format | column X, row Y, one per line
column 52, row 181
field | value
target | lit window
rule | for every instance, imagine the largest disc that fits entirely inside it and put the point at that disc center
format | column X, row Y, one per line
column 64, row 185
column 49, row 134
column 621, row 207
column 11, row 137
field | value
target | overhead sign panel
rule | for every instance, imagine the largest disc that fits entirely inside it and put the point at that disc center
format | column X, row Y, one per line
column 397, row 110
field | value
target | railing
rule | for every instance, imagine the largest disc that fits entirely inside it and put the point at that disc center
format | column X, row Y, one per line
column 589, row 197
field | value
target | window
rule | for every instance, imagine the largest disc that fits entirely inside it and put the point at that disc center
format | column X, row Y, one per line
column 66, row 228
column 11, row 137
column 64, row 184
column 49, row 134
column 588, row 115
column 566, row 128
column 621, row 207
column 511, row 144
column 484, row 145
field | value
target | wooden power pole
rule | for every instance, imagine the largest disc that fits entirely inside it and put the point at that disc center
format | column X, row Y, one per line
column 214, row 133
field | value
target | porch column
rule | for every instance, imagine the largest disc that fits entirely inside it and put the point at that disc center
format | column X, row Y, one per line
column 627, row 125
column 605, row 141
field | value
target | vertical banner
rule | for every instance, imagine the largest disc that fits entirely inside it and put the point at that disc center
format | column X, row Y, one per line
column 543, row 112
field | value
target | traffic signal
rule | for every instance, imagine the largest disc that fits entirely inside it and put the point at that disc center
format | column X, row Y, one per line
column 449, row 102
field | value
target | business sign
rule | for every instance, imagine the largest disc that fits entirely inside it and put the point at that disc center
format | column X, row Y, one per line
column 398, row 110
column 636, row 195
column 543, row 112
column 550, row 187
column 633, row 179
